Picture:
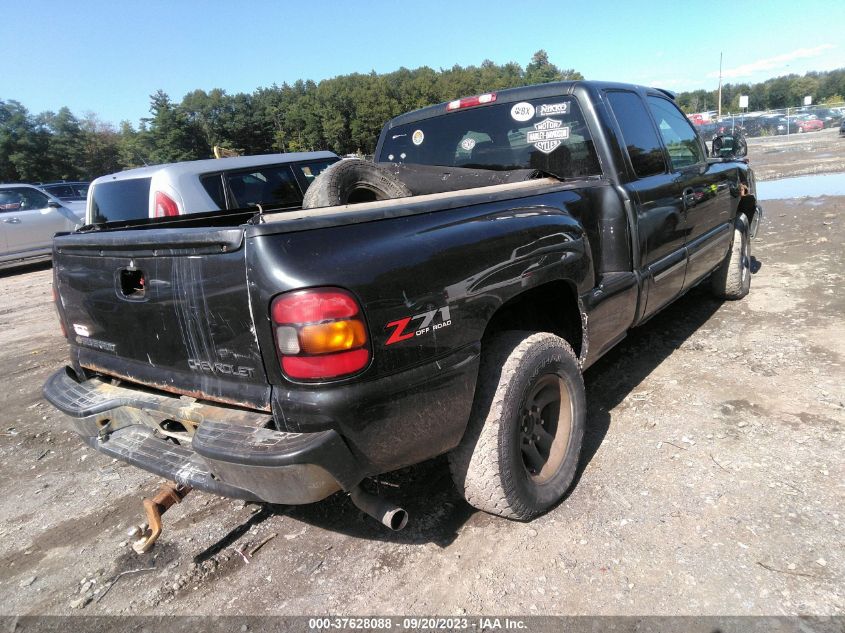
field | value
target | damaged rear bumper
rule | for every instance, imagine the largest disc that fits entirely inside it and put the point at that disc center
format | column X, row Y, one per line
column 231, row 452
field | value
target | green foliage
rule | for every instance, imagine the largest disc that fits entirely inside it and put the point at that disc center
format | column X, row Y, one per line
column 787, row 91
column 344, row 114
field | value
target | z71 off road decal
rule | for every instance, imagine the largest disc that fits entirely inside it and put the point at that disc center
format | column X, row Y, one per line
column 547, row 135
column 418, row 325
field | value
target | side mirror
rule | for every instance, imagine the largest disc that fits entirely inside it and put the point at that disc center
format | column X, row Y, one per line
column 52, row 204
column 727, row 146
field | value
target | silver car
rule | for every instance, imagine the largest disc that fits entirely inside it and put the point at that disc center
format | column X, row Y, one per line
column 273, row 181
column 29, row 218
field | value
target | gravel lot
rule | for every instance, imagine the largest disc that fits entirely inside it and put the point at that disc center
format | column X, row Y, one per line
column 712, row 480
column 821, row 152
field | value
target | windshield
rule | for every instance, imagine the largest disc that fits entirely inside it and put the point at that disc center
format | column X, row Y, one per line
column 547, row 134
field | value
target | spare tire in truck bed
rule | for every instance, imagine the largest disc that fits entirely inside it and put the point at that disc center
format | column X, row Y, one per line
column 350, row 181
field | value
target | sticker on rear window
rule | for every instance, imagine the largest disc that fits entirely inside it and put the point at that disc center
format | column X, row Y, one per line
column 547, row 135
column 553, row 108
column 418, row 137
column 522, row 111
column 468, row 144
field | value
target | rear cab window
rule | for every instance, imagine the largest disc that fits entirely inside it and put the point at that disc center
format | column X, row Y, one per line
column 548, row 134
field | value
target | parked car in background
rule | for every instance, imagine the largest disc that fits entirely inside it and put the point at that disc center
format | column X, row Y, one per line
column 786, row 124
column 29, row 218
column 273, row 181
column 830, row 117
column 809, row 123
column 66, row 190
column 769, row 123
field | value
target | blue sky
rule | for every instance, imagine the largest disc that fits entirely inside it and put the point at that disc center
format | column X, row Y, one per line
column 108, row 57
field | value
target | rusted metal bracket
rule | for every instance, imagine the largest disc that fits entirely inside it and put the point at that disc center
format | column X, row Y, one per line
column 169, row 495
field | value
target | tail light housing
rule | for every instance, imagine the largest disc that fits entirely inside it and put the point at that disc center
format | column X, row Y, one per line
column 320, row 334
column 165, row 206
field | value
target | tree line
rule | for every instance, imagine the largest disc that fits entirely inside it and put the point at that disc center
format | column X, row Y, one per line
column 344, row 114
column 776, row 93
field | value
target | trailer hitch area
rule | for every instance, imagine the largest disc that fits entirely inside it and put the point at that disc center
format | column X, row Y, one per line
column 169, row 494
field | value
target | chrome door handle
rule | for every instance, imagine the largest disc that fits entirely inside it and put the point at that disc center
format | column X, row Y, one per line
column 12, row 221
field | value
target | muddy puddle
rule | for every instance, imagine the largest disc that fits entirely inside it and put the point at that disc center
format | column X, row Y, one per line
column 802, row 187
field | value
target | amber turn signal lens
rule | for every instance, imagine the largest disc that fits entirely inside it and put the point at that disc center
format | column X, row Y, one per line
column 337, row 336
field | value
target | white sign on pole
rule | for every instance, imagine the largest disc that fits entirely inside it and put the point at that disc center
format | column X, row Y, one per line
column 808, row 100
column 743, row 101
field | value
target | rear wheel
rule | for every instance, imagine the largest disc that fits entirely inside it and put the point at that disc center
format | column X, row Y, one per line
column 520, row 452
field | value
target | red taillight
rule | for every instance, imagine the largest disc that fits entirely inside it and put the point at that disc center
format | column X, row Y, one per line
column 320, row 334
column 469, row 102
column 165, row 206
column 311, row 306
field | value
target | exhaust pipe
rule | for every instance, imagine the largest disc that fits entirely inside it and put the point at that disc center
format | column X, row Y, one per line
column 381, row 510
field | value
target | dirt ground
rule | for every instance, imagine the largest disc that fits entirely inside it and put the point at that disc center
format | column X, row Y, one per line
column 821, row 152
column 712, row 480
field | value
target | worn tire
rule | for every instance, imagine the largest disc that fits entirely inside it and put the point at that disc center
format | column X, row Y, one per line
column 732, row 280
column 350, row 181
column 489, row 465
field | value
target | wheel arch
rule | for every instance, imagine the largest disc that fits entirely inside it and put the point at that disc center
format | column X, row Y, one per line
column 552, row 307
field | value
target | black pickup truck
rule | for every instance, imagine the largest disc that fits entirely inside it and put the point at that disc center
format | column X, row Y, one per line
column 283, row 357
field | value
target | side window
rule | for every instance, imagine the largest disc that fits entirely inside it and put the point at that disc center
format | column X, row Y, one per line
column 677, row 132
column 10, row 200
column 312, row 170
column 273, row 186
column 32, row 199
column 213, row 186
column 638, row 134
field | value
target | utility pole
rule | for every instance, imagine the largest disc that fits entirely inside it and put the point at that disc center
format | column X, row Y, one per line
column 720, row 85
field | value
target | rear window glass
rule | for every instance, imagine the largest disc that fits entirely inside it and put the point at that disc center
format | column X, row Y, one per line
column 268, row 186
column 548, row 134
column 121, row 200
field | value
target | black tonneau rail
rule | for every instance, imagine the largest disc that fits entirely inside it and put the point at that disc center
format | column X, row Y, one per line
column 187, row 220
column 152, row 242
